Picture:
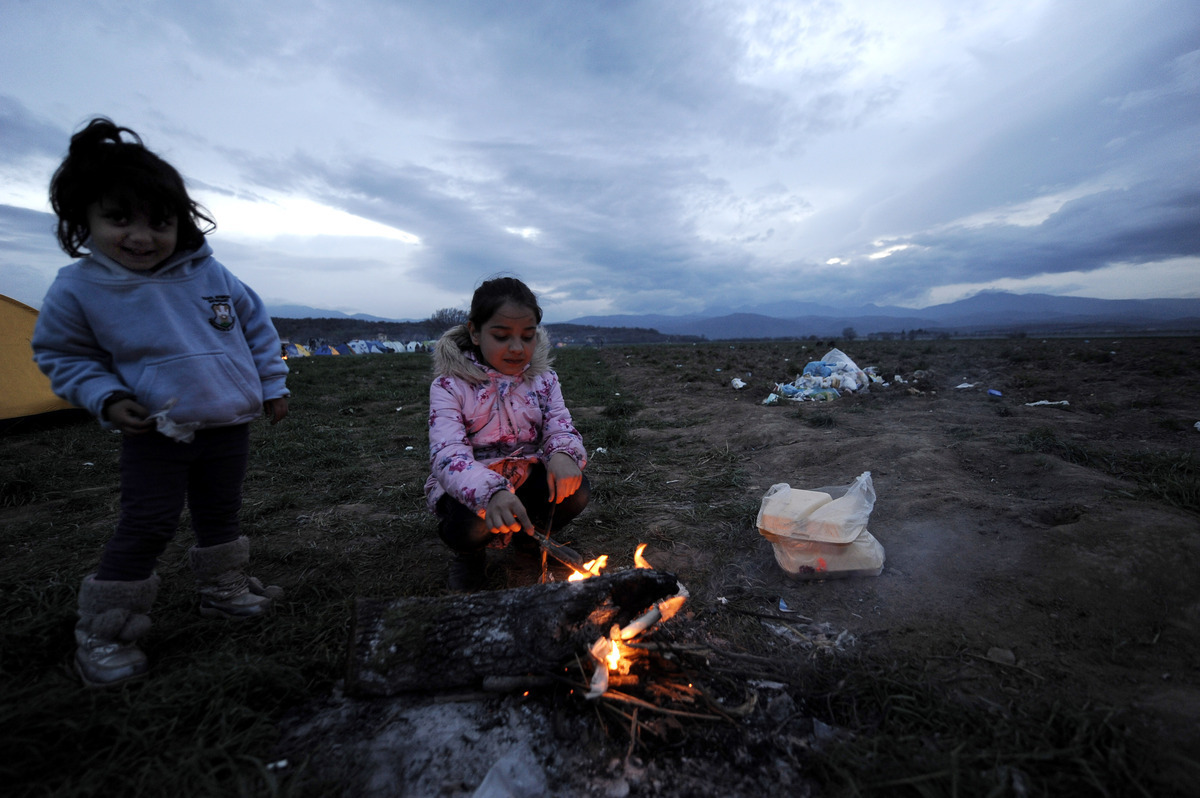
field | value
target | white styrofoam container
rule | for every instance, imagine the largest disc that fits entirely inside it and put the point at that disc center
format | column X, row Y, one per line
column 829, row 515
column 810, row 559
column 783, row 507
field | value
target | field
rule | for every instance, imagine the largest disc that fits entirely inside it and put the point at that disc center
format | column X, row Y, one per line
column 1035, row 629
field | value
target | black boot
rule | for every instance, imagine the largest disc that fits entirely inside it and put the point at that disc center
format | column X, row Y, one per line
column 467, row 571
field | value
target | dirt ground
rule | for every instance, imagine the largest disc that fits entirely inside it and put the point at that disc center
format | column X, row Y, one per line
column 1017, row 562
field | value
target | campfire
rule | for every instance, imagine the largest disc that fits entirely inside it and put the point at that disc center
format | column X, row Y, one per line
column 603, row 635
column 614, row 653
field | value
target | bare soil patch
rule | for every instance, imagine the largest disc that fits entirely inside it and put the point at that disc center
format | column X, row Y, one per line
column 1037, row 554
column 1089, row 582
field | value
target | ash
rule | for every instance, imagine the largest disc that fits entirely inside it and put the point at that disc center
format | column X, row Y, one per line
column 545, row 743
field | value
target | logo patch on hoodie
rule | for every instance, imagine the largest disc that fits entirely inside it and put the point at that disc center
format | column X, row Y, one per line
column 222, row 317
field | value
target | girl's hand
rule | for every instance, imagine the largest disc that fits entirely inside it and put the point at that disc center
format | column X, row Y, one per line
column 505, row 514
column 129, row 417
column 563, row 477
column 276, row 409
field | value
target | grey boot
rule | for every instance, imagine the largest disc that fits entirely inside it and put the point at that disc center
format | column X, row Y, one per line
column 225, row 589
column 112, row 616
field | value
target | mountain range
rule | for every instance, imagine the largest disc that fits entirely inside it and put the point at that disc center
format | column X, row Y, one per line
column 988, row 312
column 286, row 311
column 997, row 312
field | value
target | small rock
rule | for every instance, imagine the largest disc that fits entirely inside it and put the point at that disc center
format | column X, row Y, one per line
column 1002, row 655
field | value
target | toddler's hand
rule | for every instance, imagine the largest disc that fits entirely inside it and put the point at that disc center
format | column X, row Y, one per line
column 505, row 514
column 276, row 409
column 129, row 417
column 563, row 477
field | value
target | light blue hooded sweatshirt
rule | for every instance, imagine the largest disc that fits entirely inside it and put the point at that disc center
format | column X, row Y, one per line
column 189, row 331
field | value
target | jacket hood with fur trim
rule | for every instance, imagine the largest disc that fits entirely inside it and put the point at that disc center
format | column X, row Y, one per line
column 455, row 356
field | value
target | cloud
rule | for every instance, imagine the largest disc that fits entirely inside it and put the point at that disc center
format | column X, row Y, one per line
column 1147, row 223
column 24, row 136
column 672, row 156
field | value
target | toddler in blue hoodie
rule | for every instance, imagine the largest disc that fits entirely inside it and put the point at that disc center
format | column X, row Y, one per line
column 149, row 333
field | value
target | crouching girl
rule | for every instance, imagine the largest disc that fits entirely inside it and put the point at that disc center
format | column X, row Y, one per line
column 504, row 454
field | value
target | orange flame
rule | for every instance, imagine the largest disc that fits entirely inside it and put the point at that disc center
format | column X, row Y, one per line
column 614, row 653
column 609, row 649
column 590, row 568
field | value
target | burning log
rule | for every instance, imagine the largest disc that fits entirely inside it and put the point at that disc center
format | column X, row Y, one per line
column 460, row 641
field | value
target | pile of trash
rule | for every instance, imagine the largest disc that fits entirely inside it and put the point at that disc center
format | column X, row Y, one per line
column 825, row 380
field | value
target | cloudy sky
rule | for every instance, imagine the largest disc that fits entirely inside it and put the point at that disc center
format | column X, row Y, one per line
column 672, row 156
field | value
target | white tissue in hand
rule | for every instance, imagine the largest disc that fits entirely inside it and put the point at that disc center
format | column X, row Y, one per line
column 183, row 433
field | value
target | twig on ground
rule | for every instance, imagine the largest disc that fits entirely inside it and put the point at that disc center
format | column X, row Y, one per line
column 628, row 699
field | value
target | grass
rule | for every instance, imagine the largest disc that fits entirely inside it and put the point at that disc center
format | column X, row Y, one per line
column 1171, row 477
column 921, row 743
column 335, row 510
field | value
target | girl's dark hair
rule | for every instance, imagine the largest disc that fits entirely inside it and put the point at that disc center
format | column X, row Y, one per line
column 491, row 294
column 101, row 164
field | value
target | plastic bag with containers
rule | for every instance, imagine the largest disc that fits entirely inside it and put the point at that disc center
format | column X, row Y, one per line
column 822, row 533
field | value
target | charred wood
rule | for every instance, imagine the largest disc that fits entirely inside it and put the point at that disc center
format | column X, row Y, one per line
column 464, row 640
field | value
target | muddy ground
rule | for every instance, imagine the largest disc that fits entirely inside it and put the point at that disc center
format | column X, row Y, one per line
column 1013, row 575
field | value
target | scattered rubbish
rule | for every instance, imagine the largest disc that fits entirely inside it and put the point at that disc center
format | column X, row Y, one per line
column 766, row 685
column 818, row 368
column 994, row 392
column 737, row 384
column 810, row 393
column 965, row 385
column 599, row 450
column 822, row 534
column 826, row 379
column 1196, row 426
column 1044, row 402
column 818, row 639
column 408, row 448
column 783, row 606
column 772, row 398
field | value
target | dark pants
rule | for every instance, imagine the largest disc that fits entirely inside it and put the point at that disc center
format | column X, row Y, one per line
column 465, row 532
column 157, row 476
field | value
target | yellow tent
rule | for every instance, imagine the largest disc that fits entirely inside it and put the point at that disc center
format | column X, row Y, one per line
column 26, row 391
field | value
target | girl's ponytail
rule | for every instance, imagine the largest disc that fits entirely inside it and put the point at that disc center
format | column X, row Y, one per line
column 100, row 132
column 105, row 160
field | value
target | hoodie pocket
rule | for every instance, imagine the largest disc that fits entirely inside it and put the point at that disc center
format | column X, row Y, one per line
column 207, row 387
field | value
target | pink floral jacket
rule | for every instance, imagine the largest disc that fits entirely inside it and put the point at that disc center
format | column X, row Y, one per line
column 486, row 429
